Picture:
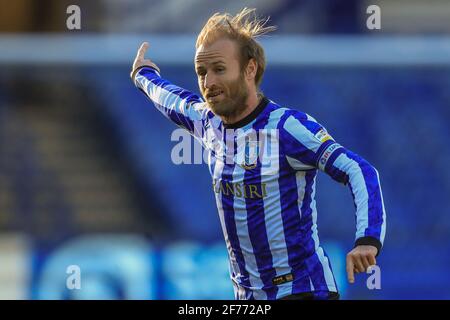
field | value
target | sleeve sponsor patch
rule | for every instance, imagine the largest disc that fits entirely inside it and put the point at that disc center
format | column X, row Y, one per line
column 322, row 135
column 326, row 154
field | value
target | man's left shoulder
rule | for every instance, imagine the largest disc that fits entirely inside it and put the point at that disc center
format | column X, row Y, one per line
column 302, row 125
column 277, row 115
column 288, row 116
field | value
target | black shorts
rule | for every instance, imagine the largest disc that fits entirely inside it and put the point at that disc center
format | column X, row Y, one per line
column 313, row 296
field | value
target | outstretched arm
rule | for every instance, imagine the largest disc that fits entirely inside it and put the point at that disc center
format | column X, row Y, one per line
column 184, row 108
column 312, row 147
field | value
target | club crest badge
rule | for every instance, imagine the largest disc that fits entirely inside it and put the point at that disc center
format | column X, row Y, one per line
column 251, row 151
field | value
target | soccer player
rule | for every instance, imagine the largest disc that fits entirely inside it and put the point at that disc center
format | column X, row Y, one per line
column 267, row 213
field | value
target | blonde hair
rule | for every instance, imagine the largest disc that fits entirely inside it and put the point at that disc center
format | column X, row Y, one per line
column 243, row 28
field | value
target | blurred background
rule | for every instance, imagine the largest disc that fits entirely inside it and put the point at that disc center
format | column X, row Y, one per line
column 86, row 176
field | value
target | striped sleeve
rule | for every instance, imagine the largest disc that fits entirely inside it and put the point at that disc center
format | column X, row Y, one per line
column 184, row 108
column 308, row 145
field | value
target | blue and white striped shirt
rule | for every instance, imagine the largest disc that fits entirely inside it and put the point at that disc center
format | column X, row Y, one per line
column 267, row 206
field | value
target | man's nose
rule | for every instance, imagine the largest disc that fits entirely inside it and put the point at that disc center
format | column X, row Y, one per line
column 209, row 81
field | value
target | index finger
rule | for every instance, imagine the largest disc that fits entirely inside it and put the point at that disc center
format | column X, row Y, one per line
column 142, row 50
column 350, row 270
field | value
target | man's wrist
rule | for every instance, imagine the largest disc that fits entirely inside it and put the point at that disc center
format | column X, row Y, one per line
column 135, row 71
column 369, row 241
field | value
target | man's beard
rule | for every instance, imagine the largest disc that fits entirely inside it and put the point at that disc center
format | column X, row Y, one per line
column 235, row 97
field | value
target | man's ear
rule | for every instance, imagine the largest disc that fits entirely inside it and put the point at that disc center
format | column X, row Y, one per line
column 251, row 69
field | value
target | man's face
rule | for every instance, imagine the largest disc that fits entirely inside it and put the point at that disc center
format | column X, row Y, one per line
column 220, row 79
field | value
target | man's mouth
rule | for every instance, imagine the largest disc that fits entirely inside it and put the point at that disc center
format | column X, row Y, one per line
column 214, row 94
